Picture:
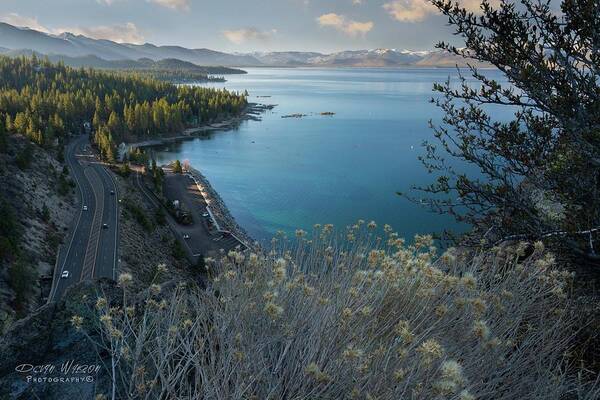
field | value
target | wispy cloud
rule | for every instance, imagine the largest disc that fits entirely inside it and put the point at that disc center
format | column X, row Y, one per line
column 410, row 10
column 124, row 33
column 243, row 35
column 121, row 33
column 343, row 24
column 418, row 10
column 180, row 5
column 23, row 21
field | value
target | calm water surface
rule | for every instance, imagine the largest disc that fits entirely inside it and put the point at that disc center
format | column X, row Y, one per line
column 283, row 174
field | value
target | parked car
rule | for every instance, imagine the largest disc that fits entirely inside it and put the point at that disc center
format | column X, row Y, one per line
column 186, row 236
column 65, row 274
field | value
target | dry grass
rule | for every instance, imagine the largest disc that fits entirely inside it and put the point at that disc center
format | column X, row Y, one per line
column 359, row 318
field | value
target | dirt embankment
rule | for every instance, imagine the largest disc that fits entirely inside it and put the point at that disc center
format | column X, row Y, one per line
column 145, row 240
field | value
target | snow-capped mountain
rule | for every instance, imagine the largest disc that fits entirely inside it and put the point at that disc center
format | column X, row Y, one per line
column 21, row 40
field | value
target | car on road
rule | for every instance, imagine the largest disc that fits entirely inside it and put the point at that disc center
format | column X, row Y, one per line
column 112, row 192
column 65, row 274
column 104, row 226
column 85, row 208
column 205, row 215
column 186, row 236
column 218, row 238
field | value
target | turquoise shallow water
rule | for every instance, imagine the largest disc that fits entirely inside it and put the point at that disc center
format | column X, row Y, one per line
column 283, row 174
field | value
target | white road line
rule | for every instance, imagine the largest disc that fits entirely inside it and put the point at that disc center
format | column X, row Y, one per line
column 116, row 190
column 76, row 225
column 98, row 232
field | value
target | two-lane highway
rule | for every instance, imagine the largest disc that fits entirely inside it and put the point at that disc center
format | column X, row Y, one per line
column 91, row 250
column 106, row 260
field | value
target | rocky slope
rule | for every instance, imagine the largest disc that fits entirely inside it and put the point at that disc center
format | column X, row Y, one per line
column 47, row 338
column 39, row 199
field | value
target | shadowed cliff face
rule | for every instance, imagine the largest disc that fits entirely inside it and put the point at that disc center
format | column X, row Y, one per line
column 45, row 346
column 35, row 192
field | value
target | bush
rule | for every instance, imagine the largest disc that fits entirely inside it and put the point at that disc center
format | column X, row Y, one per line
column 60, row 155
column 178, row 251
column 124, row 170
column 138, row 214
column 177, row 167
column 535, row 176
column 3, row 138
column 363, row 319
column 10, row 231
column 159, row 217
column 64, row 186
column 24, row 157
column 21, row 279
column 45, row 213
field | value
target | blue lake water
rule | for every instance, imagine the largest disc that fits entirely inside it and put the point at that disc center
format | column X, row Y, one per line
column 288, row 173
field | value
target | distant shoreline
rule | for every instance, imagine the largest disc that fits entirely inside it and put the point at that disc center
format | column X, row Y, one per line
column 364, row 67
column 250, row 113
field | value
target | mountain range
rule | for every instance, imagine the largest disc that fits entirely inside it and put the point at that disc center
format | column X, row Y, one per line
column 79, row 50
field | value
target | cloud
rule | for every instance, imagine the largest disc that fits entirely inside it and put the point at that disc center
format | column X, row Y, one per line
column 418, row 10
column 121, row 33
column 180, row 5
column 125, row 33
column 343, row 24
column 239, row 36
column 410, row 10
column 24, row 22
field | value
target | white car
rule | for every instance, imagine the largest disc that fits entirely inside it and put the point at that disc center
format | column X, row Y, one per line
column 84, row 208
column 186, row 236
column 65, row 274
column 205, row 215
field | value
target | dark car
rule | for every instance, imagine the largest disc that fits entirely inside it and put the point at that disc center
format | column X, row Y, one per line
column 104, row 226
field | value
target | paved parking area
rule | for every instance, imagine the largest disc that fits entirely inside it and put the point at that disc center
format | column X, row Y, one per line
column 203, row 237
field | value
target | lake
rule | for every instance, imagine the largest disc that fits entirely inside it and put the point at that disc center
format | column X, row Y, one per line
column 289, row 173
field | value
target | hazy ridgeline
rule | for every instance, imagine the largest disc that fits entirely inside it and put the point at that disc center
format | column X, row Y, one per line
column 360, row 316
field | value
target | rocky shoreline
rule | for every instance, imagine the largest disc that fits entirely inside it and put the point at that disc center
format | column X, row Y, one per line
column 221, row 211
column 218, row 206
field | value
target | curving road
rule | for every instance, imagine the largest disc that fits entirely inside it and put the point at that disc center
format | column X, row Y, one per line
column 91, row 251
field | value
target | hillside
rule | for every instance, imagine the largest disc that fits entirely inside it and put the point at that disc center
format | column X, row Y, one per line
column 36, row 208
column 93, row 61
column 70, row 45
column 78, row 50
column 119, row 107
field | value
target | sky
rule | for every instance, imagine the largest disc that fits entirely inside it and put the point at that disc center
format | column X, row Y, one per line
column 242, row 25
